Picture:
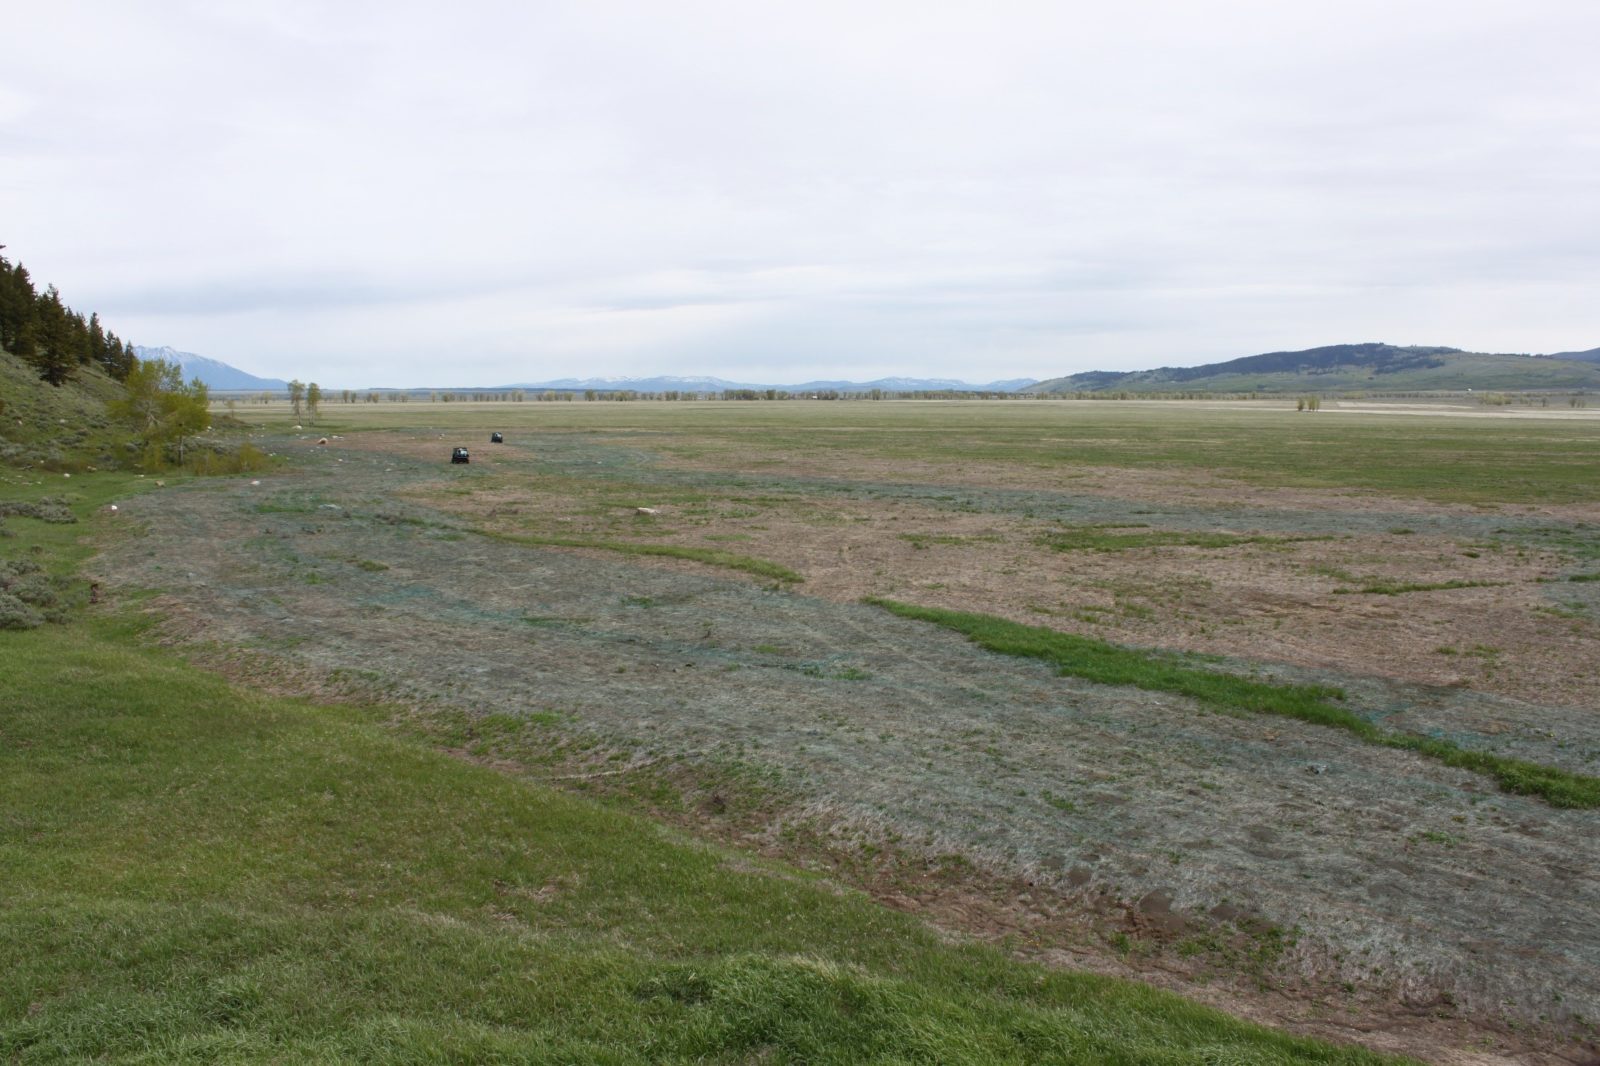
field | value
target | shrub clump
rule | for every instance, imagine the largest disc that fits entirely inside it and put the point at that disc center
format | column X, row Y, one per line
column 28, row 596
column 45, row 509
column 220, row 459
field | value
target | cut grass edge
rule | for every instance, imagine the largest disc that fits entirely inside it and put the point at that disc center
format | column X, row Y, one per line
column 1111, row 664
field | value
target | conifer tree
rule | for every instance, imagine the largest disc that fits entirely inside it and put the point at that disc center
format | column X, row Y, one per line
column 16, row 302
column 55, row 354
column 51, row 336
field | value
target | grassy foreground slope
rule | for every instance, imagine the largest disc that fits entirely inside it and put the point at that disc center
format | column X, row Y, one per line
column 195, row 872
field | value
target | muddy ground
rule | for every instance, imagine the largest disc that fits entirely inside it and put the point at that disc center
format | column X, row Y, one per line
column 1282, row 868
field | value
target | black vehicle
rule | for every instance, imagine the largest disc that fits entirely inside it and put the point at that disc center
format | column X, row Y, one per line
column 460, row 455
column 497, row 438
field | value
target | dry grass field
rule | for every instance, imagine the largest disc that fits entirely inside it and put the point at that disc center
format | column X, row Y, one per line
column 673, row 605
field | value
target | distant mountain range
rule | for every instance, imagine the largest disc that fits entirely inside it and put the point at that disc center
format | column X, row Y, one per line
column 1374, row 367
column 216, row 375
column 706, row 384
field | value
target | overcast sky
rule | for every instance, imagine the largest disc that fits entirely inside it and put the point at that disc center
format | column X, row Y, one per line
column 478, row 193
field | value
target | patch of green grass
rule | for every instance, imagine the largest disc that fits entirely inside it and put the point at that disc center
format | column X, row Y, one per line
column 709, row 556
column 1383, row 587
column 197, row 872
column 1579, row 540
column 1060, row 803
column 1583, row 577
column 284, row 507
column 1100, row 538
column 60, row 547
column 1111, row 664
column 1433, row 836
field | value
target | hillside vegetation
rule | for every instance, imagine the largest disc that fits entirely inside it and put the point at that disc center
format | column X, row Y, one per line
column 58, row 428
column 61, row 375
column 1590, row 356
column 1348, row 367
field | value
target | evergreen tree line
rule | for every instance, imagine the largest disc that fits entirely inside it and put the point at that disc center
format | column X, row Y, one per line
column 51, row 336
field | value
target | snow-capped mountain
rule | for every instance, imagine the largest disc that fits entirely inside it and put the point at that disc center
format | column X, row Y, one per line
column 216, row 374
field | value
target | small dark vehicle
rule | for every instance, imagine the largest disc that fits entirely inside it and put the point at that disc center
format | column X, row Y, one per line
column 497, row 438
column 460, row 455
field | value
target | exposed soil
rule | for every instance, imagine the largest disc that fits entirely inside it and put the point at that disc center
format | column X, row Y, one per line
column 1384, row 897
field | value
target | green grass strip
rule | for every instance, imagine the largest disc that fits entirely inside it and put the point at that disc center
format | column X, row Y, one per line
column 710, row 556
column 1396, row 588
column 1110, row 664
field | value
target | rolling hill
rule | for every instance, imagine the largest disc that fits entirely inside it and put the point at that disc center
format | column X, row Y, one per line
column 1374, row 367
column 1590, row 356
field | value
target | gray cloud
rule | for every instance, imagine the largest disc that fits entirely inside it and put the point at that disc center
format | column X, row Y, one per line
column 777, row 191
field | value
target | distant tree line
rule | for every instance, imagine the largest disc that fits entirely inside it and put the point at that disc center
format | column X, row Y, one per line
column 52, row 337
column 629, row 395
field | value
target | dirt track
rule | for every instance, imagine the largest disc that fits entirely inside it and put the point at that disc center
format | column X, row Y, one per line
column 1128, row 810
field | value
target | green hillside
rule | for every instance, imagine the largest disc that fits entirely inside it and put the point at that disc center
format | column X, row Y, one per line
column 59, row 428
column 1590, row 356
column 1347, row 368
